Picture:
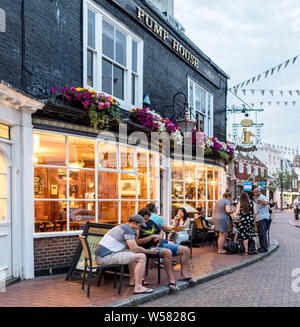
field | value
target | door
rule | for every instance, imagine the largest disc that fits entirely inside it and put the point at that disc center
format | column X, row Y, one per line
column 5, row 213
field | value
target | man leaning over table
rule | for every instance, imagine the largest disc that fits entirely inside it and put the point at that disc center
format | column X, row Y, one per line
column 118, row 246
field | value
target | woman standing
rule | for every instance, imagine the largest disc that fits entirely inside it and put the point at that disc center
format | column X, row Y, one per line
column 181, row 220
column 245, row 211
column 221, row 219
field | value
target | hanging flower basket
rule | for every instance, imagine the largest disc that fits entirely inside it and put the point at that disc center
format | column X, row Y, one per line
column 156, row 123
column 101, row 108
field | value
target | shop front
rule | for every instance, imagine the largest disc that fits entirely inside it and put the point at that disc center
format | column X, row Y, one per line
column 80, row 179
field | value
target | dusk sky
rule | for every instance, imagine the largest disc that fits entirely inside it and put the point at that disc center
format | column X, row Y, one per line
column 246, row 38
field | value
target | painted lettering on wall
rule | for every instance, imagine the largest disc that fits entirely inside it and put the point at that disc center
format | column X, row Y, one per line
column 164, row 36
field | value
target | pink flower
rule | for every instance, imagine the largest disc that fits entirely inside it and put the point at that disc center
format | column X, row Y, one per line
column 101, row 106
column 107, row 105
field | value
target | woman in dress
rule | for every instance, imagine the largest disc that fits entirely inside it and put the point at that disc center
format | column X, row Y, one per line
column 221, row 219
column 181, row 220
column 245, row 211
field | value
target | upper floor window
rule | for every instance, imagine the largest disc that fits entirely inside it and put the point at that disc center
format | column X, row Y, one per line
column 113, row 58
column 249, row 170
column 201, row 102
column 241, row 167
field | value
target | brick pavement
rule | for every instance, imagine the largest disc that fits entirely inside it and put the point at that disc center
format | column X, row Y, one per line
column 56, row 291
column 263, row 284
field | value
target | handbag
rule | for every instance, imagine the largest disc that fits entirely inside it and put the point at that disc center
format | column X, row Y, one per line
column 251, row 247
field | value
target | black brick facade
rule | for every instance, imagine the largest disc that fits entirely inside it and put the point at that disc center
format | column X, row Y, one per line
column 51, row 54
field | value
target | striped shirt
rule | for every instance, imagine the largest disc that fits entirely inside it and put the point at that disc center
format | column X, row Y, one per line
column 115, row 240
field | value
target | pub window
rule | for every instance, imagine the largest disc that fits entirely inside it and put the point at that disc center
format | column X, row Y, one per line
column 79, row 179
column 201, row 103
column 241, row 168
column 197, row 185
column 4, row 131
column 114, row 57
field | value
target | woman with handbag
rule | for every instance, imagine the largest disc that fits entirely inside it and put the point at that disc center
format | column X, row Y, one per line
column 246, row 210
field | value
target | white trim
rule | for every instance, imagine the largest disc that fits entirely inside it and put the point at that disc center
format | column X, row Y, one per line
column 97, row 72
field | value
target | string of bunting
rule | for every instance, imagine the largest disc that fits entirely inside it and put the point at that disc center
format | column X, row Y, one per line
column 273, row 102
column 272, row 92
column 267, row 73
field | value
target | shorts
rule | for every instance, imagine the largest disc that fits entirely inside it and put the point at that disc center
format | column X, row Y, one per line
column 117, row 258
column 171, row 246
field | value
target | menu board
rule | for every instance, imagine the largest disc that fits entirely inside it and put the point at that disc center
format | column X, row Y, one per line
column 94, row 233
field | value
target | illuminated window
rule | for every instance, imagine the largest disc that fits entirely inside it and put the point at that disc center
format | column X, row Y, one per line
column 4, row 131
column 81, row 179
column 197, row 185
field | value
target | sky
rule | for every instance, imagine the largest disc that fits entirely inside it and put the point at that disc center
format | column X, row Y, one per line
column 246, row 38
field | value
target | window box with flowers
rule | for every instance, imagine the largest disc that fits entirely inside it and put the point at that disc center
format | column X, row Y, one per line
column 101, row 109
column 213, row 147
column 152, row 120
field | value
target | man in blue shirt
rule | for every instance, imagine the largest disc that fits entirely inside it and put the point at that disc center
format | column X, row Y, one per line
column 263, row 219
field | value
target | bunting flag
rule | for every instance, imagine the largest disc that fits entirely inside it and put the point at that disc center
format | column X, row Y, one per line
column 261, row 103
column 269, row 72
column 262, row 91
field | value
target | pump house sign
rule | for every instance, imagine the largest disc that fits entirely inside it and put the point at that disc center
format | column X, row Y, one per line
column 164, row 34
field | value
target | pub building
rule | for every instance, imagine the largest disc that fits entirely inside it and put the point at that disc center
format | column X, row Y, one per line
column 57, row 171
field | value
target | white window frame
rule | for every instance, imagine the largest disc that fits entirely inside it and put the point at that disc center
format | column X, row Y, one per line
column 249, row 170
column 241, row 167
column 120, row 170
column 256, row 171
column 208, row 128
column 97, row 61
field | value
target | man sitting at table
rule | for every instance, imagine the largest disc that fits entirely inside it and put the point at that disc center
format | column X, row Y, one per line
column 151, row 236
column 118, row 246
column 156, row 218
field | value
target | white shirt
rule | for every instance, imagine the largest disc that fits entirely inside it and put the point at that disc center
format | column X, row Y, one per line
column 297, row 204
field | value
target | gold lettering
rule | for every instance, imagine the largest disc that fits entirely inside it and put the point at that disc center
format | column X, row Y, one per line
column 176, row 45
column 166, row 35
column 187, row 55
column 182, row 50
column 140, row 13
column 149, row 24
column 158, row 29
column 192, row 61
column 196, row 63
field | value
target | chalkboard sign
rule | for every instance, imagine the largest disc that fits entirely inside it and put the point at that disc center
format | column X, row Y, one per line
column 94, row 233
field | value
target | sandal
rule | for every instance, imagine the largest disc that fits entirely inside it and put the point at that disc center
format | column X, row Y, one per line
column 189, row 279
column 175, row 287
column 147, row 291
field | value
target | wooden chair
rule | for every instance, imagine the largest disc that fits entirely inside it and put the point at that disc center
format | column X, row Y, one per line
column 91, row 265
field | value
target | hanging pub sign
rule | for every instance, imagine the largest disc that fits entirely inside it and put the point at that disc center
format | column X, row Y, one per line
column 165, row 36
column 94, row 233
